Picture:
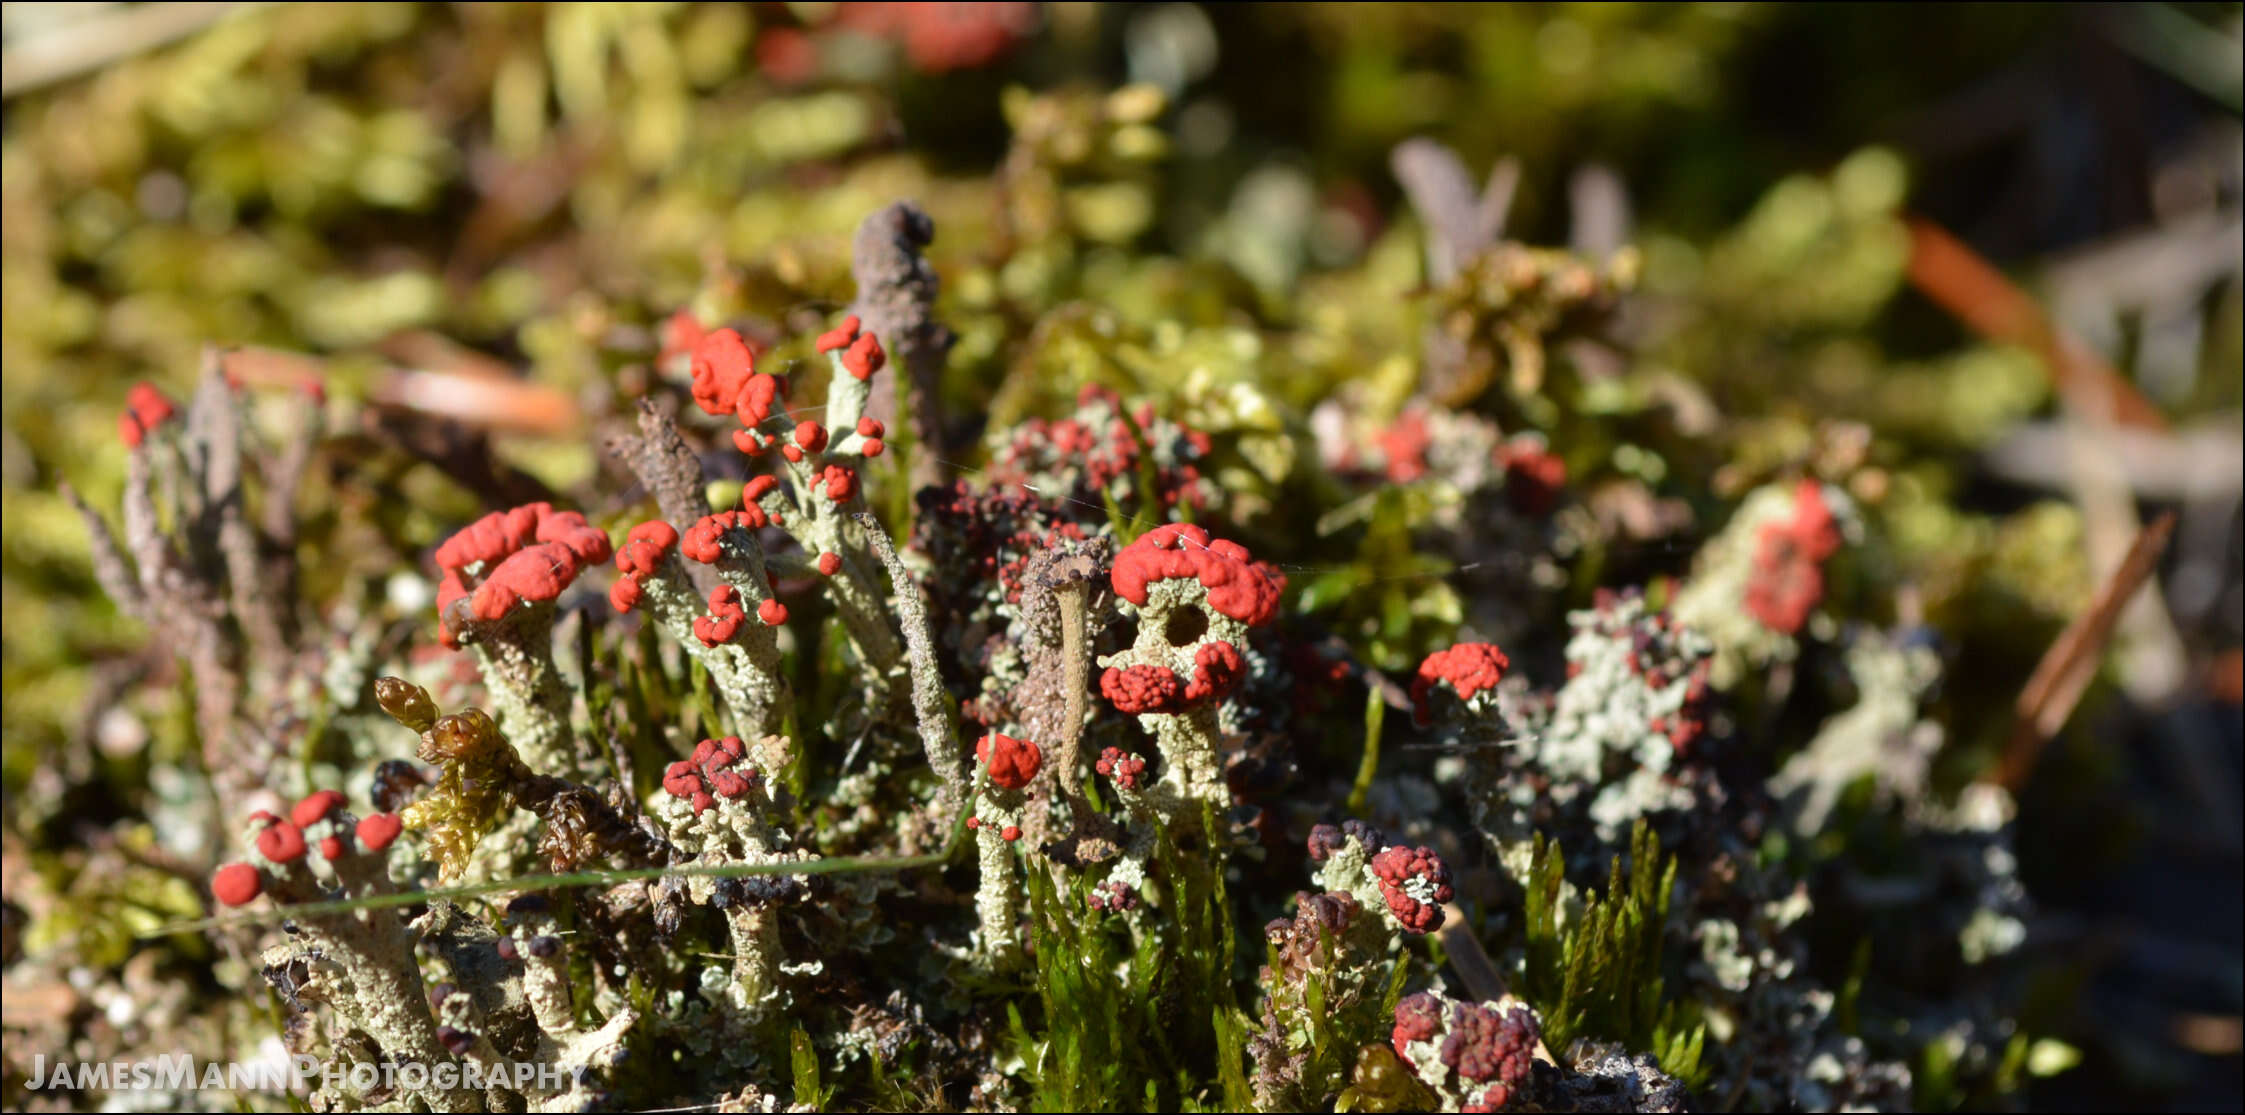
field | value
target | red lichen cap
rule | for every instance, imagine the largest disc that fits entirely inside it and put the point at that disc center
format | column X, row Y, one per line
column 841, row 482
column 642, row 553
column 810, row 435
column 624, row 594
column 864, row 356
column 654, row 535
column 1468, row 667
column 724, row 618
column 702, row 539
column 681, row 333
column 1788, row 577
column 536, row 574
column 236, row 884
column 1486, row 1044
column 537, row 550
column 376, row 831
column 1415, row 882
column 753, row 404
column 772, row 612
column 722, row 364
column 1011, row 762
column 568, row 528
column 149, row 404
column 492, row 537
column 1534, row 476
column 829, row 563
column 315, row 807
column 1128, row 770
column 281, row 842
column 1417, row 1018
column 1405, row 446
column 1142, row 689
column 711, row 773
column 1238, row 586
column 840, row 336
column 145, row 409
column 870, row 427
column 1218, row 668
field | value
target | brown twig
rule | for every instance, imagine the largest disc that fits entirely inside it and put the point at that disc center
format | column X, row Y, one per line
column 2067, row 667
column 1957, row 279
column 896, row 294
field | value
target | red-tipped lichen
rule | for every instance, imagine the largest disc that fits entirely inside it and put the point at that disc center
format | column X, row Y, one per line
column 375, row 832
column 641, row 555
column 840, row 336
column 1128, row 770
column 1011, row 762
column 1788, row 580
column 1142, row 689
column 145, row 409
column 1218, row 668
column 1534, row 476
column 236, row 884
column 315, row 807
column 1415, row 882
column 724, row 618
column 1238, row 586
column 722, row 365
column 1467, row 668
column 281, row 842
column 864, row 356
column 528, row 553
column 714, row 772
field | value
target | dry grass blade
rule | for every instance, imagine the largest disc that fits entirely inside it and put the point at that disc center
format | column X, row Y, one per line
column 83, row 45
column 502, row 406
column 2066, row 668
column 456, row 383
column 1957, row 279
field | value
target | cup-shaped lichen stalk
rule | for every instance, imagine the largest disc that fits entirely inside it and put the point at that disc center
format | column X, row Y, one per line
column 716, row 807
column 532, row 935
column 320, row 852
column 824, row 463
column 1006, row 767
column 1196, row 597
column 502, row 575
column 742, row 655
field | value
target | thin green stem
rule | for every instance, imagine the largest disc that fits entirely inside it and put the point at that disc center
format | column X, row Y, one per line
column 835, row 865
column 1375, row 714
